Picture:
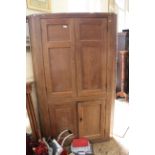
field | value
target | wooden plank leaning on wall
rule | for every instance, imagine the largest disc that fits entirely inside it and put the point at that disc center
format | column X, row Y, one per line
column 31, row 113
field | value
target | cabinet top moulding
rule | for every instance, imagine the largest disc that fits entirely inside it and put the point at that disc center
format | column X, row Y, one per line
column 71, row 15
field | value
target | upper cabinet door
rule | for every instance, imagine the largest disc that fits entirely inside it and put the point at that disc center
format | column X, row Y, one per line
column 91, row 50
column 59, row 56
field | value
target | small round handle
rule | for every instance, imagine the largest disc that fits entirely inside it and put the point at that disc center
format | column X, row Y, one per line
column 80, row 119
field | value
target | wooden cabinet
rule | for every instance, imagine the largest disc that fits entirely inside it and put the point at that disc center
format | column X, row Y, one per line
column 74, row 68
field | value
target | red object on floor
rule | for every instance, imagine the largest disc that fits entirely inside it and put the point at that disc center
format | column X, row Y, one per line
column 41, row 149
column 81, row 142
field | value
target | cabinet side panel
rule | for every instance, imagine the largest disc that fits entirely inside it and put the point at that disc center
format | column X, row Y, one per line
column 36, row 48
column 111, row 69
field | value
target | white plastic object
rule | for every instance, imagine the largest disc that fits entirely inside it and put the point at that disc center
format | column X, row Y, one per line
column 50, row 150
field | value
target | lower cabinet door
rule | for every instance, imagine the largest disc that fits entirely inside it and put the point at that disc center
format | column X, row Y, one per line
column 63, row 116
column 91, row 117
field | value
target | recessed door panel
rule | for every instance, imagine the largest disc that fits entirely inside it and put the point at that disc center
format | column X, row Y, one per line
column 58, row 32
column 90, row 31
column 60, row 69
column 91, row 67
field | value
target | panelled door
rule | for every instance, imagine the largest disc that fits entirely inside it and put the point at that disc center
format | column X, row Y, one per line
column 91, row 49
column 59, row 56
column 91, row 116
column 63, row 116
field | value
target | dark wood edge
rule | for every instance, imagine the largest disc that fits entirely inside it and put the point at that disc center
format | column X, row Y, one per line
column 70, row 15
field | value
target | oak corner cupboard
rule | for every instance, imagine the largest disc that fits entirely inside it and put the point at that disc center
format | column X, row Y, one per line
column 74, row 67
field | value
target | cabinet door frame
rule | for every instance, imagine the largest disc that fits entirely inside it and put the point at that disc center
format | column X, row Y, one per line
column 82, row 124
column 53, row 106
column 91, row 43
column 58, row 44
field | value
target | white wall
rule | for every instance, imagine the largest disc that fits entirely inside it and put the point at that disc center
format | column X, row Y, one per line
column 79, row 6
column 122, row 10
column 29, row 68
column 58, row 6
